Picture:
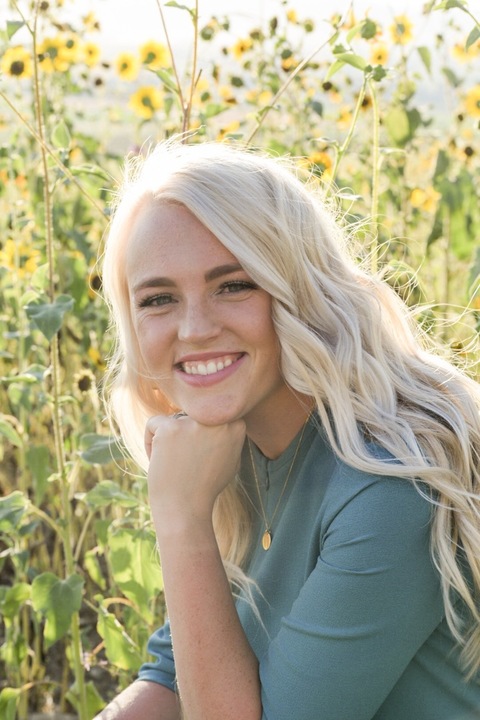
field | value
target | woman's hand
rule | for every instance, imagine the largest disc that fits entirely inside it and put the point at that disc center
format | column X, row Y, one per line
column 190, row 465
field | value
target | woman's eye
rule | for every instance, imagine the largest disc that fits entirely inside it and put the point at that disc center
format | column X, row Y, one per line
column 236, row 286
column 155, row 301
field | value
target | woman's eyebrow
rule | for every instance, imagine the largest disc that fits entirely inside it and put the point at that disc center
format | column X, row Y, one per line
column 221, row 270
column 213, row 274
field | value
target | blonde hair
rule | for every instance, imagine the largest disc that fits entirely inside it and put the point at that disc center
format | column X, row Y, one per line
column 346, row 339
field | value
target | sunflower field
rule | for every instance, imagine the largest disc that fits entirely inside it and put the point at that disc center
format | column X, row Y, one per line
column 383, row 108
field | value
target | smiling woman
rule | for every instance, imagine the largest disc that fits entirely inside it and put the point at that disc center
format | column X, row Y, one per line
column 204, row 328
column 312, row 467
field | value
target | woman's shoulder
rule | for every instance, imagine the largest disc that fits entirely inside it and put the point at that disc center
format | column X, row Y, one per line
column 364, row 491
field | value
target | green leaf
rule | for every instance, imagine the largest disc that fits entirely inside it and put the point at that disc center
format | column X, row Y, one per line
column 13, row 26
column 91, row 170
column 474, row 274
column 354, row 31
column 214, row 109
column 401, row 124
column 317, row 107
column 99, row 449
column 437, row 229
column 107, row 493
column 92, row 566
column 120, row 649
column 396, row 123
column 48, row 317
column 378, row 73
column 369, row 29
column 135, row 566
column 333, row 69
column 57, row 600
column 426, row 57
column 473, row 37
column 61, row 137
column 38, row 460
column 95, row 702
column 12, row 509
column 13, row 599
column 8, row 431
column 442, row 165
column 356, row 61
column 451, row 77
column 174, row 4
column 449, row 4
column 8, row 703
column 167, row 79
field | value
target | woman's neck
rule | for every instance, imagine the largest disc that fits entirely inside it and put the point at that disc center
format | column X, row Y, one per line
column 273, row 430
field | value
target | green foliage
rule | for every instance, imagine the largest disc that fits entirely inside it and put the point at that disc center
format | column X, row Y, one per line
column 56, row 600
column 80, row 583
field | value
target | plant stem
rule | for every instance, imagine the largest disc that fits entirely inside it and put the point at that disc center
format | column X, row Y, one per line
column 67, row 529
column 174, row 66
column 375, row 176
column 343, row 148
column 188, row 109
column 285, row 85
column 43, row 144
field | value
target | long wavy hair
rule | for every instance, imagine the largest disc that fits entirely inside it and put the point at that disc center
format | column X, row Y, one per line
column 346, row 340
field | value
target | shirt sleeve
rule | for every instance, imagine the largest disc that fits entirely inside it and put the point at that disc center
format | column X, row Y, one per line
column 372, row 600
column 162, row 668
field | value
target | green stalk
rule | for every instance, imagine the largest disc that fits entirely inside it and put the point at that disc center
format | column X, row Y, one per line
column 285, row 85
column 67, row 525
column 53, row 155
column 375, row 176
column 194, row 79
column 174, row 66
column 344, row 147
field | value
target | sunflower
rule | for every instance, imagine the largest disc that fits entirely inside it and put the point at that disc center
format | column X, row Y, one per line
column 472, row 101
column 460, row 52
column 320, row 160
column 145, row 101
column 19, row 257
column 71, row 48
column 345, row 117
column 292, row 16
column 96, row 358
column 228, row 130
column 289, row 63
column 154, row 55
column 84, row 382
column 51, row 54
column 379, row 54
column 425, row 199
column 91, row 54
column 17, row 62
column 127, row 66
column 241, row 47
column 401, row 30
column 90, row 22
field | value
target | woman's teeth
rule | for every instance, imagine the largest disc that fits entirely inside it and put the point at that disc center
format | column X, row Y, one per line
column 209, row 368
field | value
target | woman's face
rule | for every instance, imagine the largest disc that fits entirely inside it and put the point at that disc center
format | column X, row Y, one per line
column 204, row 328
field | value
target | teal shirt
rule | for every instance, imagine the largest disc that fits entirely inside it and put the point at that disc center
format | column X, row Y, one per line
column 353, row 624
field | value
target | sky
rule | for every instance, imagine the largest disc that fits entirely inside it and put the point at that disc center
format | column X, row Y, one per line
column 127, row 23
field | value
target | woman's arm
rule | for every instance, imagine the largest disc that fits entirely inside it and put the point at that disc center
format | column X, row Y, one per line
column 143, row 700
column 190, row 464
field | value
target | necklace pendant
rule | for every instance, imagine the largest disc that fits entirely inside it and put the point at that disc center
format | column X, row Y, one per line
column 267, row 539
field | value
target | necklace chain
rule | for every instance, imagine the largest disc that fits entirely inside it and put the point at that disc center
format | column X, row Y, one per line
column 267, row 536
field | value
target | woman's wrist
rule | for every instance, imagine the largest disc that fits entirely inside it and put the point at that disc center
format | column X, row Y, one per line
column 191, row 529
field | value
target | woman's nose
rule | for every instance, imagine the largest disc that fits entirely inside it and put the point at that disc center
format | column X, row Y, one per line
column 197, row 323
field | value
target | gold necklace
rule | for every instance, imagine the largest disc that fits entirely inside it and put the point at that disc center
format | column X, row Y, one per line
column 267, row 536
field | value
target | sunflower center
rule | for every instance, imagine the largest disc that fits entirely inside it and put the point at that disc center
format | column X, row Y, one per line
column 17, row 67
